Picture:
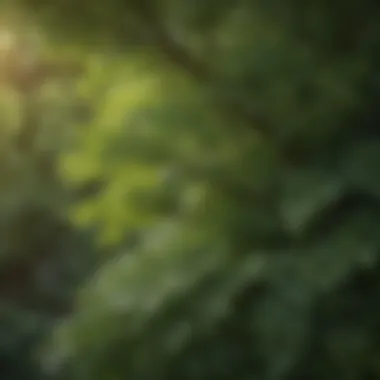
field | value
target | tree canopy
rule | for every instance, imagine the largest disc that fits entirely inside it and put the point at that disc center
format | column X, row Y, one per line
column 189, row 190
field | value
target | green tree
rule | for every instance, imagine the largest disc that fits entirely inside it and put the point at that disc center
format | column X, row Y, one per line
column 239, row 141
column 43, row 257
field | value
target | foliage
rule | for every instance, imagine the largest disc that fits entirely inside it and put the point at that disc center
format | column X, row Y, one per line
column 237, row 150
column 43, row 257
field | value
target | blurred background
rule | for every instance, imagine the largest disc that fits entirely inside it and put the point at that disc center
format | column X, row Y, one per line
column 189, row 190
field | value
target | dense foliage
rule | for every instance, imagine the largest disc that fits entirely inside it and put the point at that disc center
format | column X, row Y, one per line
column 225, row 167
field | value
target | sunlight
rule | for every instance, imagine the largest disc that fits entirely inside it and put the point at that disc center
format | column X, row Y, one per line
column 7, row 40
column 20, row 55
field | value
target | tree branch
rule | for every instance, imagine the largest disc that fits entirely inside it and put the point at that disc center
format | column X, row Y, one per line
column 177, row 54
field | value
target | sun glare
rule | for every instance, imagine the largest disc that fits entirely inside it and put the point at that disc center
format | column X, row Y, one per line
column 7, row 39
